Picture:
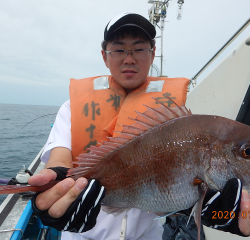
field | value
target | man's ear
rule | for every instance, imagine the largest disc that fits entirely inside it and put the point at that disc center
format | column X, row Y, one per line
column 104, row 56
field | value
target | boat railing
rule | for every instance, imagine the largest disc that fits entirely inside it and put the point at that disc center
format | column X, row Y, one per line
column 238, row 32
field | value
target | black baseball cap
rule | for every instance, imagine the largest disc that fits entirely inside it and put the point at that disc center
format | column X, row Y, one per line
column 129, row 19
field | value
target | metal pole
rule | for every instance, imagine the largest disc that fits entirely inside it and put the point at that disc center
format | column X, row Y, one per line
column 151, row 71
column 161, row 51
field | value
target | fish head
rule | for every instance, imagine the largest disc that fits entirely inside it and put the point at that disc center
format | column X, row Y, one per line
column 232, row 147
column 241, row 164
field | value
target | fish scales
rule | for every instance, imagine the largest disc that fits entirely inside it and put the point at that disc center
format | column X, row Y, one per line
column 153, row 175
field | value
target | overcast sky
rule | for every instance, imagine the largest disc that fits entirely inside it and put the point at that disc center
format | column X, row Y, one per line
column 44, row 43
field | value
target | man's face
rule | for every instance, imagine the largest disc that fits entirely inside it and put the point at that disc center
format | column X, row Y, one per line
column 128, row 72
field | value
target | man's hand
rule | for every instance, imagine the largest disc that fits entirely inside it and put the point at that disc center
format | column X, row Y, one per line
column 228, row 210
column 69, row 205
column 58, row 198
column 244, row 215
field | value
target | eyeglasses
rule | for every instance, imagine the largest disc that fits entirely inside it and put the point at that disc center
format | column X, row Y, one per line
column 139, row 53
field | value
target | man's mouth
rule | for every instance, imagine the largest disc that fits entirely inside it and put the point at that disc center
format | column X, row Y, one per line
column 129, row 72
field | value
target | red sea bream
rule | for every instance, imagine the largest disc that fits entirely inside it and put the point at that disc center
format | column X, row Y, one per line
column 159, row 163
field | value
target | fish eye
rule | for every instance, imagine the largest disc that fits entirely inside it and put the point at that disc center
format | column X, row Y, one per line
column 245, row 150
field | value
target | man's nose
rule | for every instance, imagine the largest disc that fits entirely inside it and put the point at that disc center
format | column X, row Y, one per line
column 129, row 58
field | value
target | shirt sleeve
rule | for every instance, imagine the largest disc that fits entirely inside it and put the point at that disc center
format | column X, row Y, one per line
column 60, row 134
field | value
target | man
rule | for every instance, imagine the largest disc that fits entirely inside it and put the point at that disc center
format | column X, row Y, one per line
column 97, row 107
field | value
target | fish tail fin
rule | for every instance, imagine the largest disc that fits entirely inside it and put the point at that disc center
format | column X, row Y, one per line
column 10, row 189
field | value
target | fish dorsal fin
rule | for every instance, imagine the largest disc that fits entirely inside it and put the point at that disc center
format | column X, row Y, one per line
column 143, row 122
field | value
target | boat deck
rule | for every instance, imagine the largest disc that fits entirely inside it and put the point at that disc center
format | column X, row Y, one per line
column 15, row 211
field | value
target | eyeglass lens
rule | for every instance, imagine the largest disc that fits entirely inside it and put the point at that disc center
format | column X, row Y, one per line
column 136, row 53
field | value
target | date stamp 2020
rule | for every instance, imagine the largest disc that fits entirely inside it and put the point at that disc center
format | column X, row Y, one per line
column 229, row 215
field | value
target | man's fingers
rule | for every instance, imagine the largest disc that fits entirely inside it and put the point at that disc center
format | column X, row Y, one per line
column 60, row 207
column 244, row 215
column 43, row 177
column 46, row 199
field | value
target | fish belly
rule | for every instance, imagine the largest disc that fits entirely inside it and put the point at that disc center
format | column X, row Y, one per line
column 153, row 197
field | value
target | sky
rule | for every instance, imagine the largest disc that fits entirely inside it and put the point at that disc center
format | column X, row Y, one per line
column 44, row 43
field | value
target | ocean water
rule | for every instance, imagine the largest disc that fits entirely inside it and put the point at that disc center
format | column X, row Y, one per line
column 19, row 145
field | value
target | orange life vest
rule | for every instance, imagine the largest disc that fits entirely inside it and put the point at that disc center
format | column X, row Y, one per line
column 99, row 106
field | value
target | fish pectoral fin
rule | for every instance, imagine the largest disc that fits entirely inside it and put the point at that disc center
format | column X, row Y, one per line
column 113, row 210
column 202, row 189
